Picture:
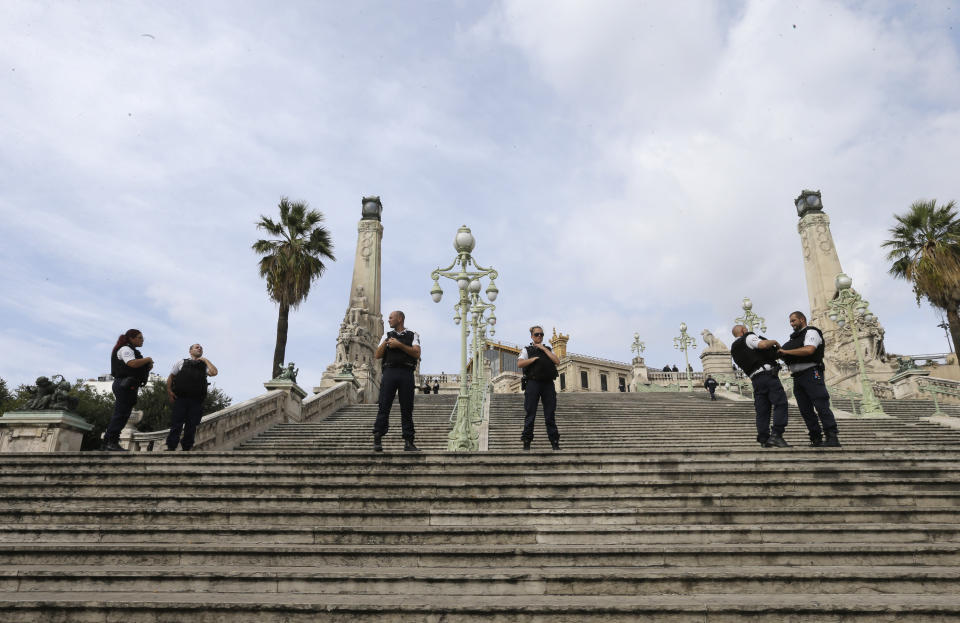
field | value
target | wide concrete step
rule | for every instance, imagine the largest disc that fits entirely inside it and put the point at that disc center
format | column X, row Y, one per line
column 513, row 581
column 482, row 556
column 307, row 515
column 288, row 607
column 526, row 534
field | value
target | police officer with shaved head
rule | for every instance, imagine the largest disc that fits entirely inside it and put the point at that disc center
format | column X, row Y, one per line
column 400, row 351
column 757, row 357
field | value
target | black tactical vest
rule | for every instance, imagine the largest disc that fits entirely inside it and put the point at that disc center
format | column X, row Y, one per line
column 119, row 368
column 396, row 358
column 191, row 380
column 748, row 359
column 796, row 341
column 543, row 369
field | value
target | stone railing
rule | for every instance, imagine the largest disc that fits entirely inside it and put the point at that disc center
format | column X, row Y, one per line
column 228, row 428
column 660, row 375
column 321, row 406
column 940, row 390
column 222, row 430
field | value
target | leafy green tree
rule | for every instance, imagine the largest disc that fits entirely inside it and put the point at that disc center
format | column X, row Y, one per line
column 925, row 248
column 5, row 396
column 291, row 261
column 96, row 409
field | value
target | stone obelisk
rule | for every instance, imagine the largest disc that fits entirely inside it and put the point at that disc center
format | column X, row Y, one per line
column 362, row 325
column 822, row 265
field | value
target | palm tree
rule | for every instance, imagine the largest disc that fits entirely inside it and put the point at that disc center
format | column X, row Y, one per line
column 291, row 262
column 925, row 249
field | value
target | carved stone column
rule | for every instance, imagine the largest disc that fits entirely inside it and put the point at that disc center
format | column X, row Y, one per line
column 362, row 325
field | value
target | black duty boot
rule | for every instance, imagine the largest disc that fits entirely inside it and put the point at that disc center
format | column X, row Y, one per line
column 555, row 444
column 526, row 445
column 409, row 447
column 377, row 445
column 112, row 446
column 816, row 441
column 832, row 441
column 777, row 441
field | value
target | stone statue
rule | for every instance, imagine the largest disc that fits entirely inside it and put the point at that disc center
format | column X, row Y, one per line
column 904, row 364
column 346, row 368
column 51, row 395
column 289, row 373
column 714, row 345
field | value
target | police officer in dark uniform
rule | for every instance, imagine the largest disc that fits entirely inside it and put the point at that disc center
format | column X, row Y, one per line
column 130, row 371
column 711, row 385
column 803, row 354
column 757, row 357
column 539, row 366
column 400, row 351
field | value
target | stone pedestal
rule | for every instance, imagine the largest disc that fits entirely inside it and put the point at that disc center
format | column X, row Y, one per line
column 639, row 372
column 907, row 384
column 295, row 395
column 716, row 364
column 42, row 431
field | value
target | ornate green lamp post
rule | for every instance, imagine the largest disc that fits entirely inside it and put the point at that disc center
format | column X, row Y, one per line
column 478, row 379
column 637, row 346
column 685, row 342
column 464, row 436
column 849, row 308
column 749, row 319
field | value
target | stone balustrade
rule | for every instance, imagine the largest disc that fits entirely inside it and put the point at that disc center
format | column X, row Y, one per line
column 228, row 428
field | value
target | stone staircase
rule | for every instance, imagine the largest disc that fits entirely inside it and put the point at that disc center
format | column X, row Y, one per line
column 659, row 507
column 605, row 421
column 351, row 429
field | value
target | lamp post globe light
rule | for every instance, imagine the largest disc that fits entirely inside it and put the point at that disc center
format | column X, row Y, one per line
column 685, row 342
column 749, row 319
column 465, row 271
column 849, row 308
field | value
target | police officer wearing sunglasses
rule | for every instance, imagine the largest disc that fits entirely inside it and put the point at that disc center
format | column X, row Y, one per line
column 539, row 366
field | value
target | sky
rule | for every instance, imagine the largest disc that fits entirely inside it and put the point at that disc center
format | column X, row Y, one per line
column 624, row 165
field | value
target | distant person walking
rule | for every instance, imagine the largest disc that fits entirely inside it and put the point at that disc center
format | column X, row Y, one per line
column 130, row 370
column 539, row 365
column 711, row 385
column 186, row 389
column 436, row 387
column 426, row 386
column 400, row 351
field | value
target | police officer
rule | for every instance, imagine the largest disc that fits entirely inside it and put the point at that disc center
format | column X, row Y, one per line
column 400, row 351
column 130, row 371
column 186, row 389
column 757, row 357
column 539, row 366
column 803, row 354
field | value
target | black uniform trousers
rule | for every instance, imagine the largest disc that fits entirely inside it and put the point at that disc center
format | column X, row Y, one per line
column 124, row 400
column 186, row 415
column 536, row 392
column 811, row 393
column 768, row 393
column 396, row 381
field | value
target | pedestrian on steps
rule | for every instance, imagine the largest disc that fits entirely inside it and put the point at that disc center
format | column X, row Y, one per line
column 400, row 351
column 186, row 389
column 539, row 365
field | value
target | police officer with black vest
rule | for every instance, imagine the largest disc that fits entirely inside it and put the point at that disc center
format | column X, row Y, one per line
column 757, row 357
column 187, row 388
column 539, row 366
column 400, row 351
column 130, row 370
column 803, row 354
